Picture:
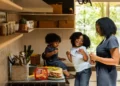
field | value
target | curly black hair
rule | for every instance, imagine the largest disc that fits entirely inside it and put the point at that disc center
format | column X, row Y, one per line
column 52, row 37
column 86, row 41
column 74, row 36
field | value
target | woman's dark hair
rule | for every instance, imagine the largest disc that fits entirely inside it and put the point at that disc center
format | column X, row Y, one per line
column 52, row 37
column 107, row 26
column 75, row 36
column 86, row 41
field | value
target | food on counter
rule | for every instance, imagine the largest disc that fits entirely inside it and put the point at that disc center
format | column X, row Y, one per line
column 55, row 72
column 41, row 74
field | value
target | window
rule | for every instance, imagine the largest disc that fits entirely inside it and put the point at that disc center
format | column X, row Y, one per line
column 87, row 15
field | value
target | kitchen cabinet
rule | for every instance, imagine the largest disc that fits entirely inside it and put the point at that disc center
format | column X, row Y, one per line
column 66, row 4
column 65, row 19
column 9, row 5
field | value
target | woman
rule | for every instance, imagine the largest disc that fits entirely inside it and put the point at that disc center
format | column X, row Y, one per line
column 107, row 53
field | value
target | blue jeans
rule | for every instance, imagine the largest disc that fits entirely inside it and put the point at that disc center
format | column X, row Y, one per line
column 57, row 63
column 82, row 78
column 106, row 76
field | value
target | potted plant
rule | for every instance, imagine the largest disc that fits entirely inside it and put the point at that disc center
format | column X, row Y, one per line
column 23, row 25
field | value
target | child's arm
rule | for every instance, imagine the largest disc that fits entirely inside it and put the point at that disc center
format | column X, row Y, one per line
column 62, row 59
column 69, row 56
column 49, row 54
column 85, row 57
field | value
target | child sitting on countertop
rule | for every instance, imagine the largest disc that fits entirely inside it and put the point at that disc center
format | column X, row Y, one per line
column 50, row 54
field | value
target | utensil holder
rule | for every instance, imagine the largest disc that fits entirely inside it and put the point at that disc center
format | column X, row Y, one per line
column 19, row 72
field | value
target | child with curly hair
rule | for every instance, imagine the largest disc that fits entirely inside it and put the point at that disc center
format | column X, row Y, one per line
column 80, row 58
column 50, row 54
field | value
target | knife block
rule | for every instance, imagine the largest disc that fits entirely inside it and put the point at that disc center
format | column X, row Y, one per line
column 19, row 73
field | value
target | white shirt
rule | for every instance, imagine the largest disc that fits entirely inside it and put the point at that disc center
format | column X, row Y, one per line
column 77, row 59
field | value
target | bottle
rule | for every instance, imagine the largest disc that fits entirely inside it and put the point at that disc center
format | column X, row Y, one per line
column 4, row 29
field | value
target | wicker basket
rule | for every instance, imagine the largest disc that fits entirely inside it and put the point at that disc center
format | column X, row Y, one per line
column 19, row 72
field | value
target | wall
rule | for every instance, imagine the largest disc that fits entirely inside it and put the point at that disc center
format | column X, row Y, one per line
column 36, row 39
column 11, row 48
column 4, row 52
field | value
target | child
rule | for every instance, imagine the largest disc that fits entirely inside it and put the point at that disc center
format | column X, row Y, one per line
column 79, row 57
column 51, row 53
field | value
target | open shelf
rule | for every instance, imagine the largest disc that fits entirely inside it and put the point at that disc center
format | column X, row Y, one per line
column 54, row 28
column 5, row 40
column 30, row 30
column 9, row 5
column 46, row 14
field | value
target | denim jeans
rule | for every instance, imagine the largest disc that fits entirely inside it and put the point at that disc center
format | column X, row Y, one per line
column 106, row 76
column 83, row 77
column 57, row 63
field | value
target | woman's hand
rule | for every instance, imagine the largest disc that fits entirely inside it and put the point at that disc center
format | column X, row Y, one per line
column 93, row 57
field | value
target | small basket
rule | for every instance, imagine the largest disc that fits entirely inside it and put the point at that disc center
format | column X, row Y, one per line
column 35, row 59
column 19, row 73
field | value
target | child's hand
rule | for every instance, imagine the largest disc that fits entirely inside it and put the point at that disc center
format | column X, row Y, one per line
column 69, row 56
column 81, row 51
column 92, row 62
column 67, row 53
column 55, row 51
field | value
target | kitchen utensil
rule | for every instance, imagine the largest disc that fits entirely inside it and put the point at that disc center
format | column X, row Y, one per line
column 11, row 60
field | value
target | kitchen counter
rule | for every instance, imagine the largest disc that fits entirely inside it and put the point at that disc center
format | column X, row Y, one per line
column 32, row 82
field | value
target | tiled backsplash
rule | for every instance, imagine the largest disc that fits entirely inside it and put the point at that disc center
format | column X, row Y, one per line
column 11, row 48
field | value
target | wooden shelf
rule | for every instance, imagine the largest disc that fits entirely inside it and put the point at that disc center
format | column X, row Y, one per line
column 9, row 5
column 30, row 30
column 54, row 28
column 34, row 6
column 5, row 40
column 46, row 14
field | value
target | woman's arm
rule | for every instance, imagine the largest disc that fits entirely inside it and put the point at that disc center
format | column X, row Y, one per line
column 85, row 57
column 69, row 56
column 108, row 61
